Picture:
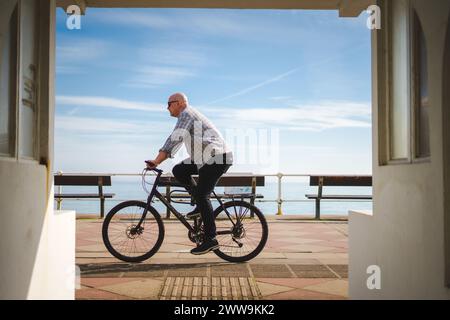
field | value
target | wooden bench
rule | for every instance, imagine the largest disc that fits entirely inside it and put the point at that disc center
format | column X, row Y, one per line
column 227, row 180
column 91, row 180
column 338, row 181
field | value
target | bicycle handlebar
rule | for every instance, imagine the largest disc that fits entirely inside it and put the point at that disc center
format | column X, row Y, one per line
column 154, row 169
column 148, row 162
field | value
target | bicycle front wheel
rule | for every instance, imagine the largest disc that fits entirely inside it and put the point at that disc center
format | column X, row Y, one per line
column 242, row 231
column 125, row 239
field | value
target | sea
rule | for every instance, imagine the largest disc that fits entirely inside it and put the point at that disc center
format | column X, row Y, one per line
column 293, row 196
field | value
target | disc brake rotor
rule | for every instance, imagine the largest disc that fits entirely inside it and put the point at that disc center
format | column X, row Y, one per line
column 133, row 232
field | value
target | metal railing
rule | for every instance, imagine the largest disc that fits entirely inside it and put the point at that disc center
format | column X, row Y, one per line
column 279, row 200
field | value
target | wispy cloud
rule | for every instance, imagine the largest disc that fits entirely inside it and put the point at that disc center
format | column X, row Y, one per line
column 151, row 77
column 80, row 49
column 203, row 22
column 162, row 64
column 200, row 22
column 72, row 55
column 94, row 154
column 298, row 117
column 69, row 70
column 257, row 86
column 280, row 98
column 132, row 18
column 104, row 102
column 128, row 130
column 279, row 77
column 96, row 125
column 180, row 55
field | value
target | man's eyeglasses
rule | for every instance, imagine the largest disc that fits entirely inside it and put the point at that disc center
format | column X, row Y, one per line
column 170, row 103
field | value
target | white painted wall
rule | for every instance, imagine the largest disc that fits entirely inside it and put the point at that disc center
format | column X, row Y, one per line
column 54, row 273
column 37, row 245
column 405, row 235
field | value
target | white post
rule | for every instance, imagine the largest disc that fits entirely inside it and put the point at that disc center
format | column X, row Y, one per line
column 58, row 202
column 279, row 199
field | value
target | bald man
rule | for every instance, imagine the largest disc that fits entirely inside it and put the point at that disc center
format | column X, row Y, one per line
column 209, row 157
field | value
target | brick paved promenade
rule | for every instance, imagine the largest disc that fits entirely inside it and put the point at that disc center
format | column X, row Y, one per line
column 302, row 260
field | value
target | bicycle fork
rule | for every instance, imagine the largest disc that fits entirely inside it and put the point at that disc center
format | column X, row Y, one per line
column 149, row 200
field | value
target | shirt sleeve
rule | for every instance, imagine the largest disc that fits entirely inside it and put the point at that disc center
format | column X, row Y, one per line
column 181, row 130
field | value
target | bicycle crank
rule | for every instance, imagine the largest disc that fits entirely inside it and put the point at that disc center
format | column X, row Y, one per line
column 196, row 237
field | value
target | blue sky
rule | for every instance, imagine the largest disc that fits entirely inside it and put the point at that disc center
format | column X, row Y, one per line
column 299, row 81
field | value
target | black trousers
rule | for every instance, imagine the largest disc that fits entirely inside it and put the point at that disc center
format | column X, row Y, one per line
column 208, row 175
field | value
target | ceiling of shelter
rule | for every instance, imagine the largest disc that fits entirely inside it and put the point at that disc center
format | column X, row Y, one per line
column 347, row 8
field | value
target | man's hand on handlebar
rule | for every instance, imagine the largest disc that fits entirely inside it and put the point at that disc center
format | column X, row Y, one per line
column 151, row 164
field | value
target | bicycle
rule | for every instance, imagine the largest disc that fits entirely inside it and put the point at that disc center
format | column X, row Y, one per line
column 242, row 230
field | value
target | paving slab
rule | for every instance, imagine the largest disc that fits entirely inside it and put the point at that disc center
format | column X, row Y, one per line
column 335, row 287
column 268, row 289
column 136, row 289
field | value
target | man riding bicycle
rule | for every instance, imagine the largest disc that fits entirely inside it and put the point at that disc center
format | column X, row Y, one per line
column 209, row 157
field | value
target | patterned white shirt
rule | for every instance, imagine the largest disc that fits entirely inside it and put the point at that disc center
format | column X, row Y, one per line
column 201, row 138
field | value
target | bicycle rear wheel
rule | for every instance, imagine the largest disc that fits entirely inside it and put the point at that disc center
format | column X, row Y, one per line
column 242, row 233
column 124, row 240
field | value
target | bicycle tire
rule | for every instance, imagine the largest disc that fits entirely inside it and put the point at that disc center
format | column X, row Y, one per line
column 264, row 227
column 106, row 224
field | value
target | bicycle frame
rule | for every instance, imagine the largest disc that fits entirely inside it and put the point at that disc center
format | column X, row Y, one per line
column 155, row 193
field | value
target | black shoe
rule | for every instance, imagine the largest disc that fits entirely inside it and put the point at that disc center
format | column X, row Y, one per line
column 205, row 247
column 193, row 214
